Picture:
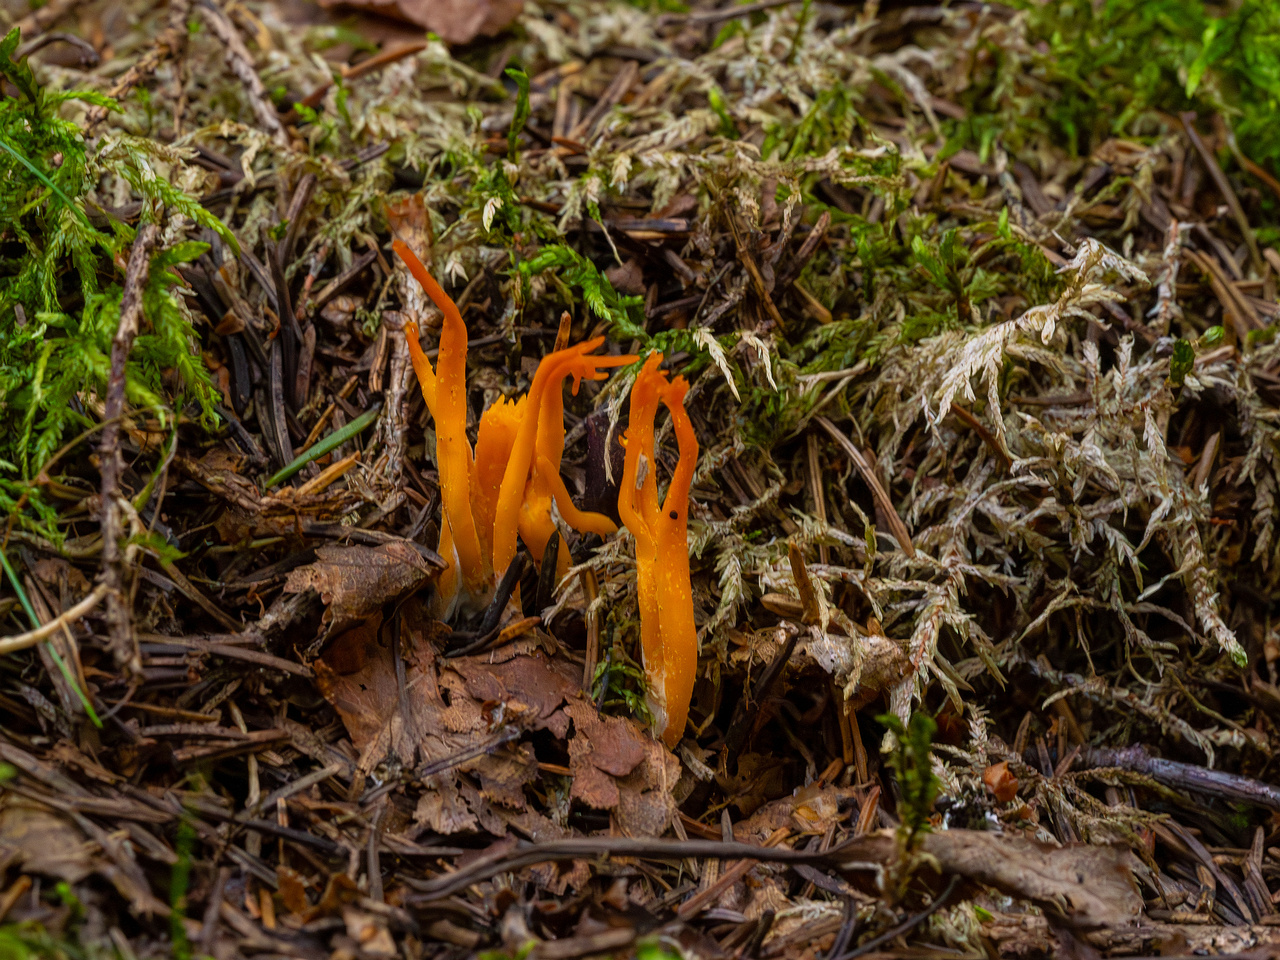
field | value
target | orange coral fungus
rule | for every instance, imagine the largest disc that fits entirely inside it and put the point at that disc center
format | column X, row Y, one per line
column 539, row 444
column 668, row 637
column 445, row 391
column 509, row 485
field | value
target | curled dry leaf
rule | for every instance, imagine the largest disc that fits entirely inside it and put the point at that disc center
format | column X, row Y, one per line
column 1002, row 784
column 455, row 21
column 864, row 667
column 354, row 581
column 1091, row 885
column 810, row 809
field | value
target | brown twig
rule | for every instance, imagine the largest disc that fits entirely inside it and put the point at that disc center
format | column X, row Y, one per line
column 338, row 283
column 896, row 526
column 124, row 645
column 376, row 62
column 753, row 271
column 806, row 251
column 1224, row 187
column 817, row 489
column 1239, row 312
column 810, row 608
column 612, row 95
column 728, row 13
column 88, row 55
column 1185, row 776
column 704, row 898
column 42, row 19
column 907, row 925
column 168, row 44
column 441, row 888
column 241, row 64
column 393, row 429
column 974, row 424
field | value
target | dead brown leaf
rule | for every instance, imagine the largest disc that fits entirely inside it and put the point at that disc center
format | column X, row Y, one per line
column 602, row 749
column 810, row 809
column 293, row 893
column 761, row 777
column 627, row 277
column 504, row 773
column 535, row 684
column 353, row 581
column 1092, row 884
column 437, row 717
column 45, row 842
column 455, row 21
column 338, row 892
column 54, row 571
column 616, row 766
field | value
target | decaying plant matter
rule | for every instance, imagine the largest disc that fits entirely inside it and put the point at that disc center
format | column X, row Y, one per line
column 935, row 612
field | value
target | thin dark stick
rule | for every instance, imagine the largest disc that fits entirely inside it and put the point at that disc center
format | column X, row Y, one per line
column 290, row 336
column 462, row 756
column 375, row 865
column 443, row 887
column 506, row 586
column 807, row 250
column 1224, row 187
column 1184, row 776
column 547, row 575
column 124, row 646
column 761, row 931
column 402, row 681
column 301, row 197
column 907, row 925
column 209, row 930
column 338, row 283
column 848, row 928
column 729, row 13
column 748, row 705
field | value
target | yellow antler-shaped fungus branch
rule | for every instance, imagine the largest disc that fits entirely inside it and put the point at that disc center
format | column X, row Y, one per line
column 668, row 636
column 539, row 440
column 508, row 487
column 445, row 391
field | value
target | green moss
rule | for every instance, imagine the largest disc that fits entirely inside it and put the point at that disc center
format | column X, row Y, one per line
column 60, row 286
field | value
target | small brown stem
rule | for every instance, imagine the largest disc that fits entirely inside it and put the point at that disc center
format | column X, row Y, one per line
column 241, row 64
column 1224, row 187
column 812, row 609
column 878, row 492
column 168, row 44
column 124, row 645
column 816, row 488
column 974, row 424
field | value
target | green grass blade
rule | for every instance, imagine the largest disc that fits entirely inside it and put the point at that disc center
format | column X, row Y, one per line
column 321, row 447
column 44, row 178
column 35, row 623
